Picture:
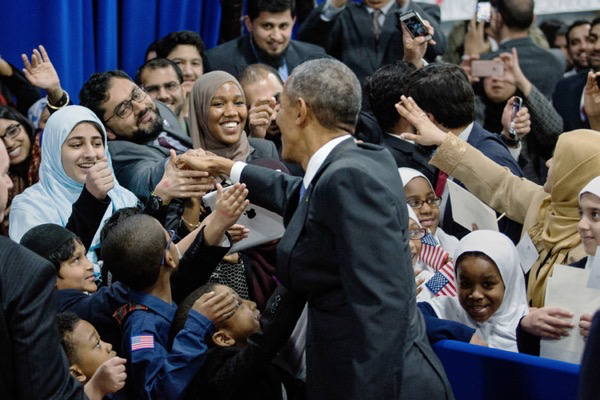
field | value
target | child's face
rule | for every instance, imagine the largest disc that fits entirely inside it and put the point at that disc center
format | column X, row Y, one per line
column 480, row 287
column 244, row 322
column 415, row 244
column 77, row 272
column 418, row 189
column 589, row 224
column 90, row 351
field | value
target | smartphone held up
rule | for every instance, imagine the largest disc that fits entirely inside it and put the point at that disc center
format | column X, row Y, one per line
column 414, row 24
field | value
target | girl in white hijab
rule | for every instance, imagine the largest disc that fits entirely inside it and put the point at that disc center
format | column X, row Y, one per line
column 491, row 289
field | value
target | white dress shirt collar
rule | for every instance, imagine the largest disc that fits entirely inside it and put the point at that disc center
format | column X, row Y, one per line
column 319, row 157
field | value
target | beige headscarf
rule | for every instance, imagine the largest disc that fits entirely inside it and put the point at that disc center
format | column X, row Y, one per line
column 203, row 91
column 576, row 162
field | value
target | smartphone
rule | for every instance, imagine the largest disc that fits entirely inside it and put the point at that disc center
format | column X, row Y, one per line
column 484, row 11
column 487, row 68
column 515, row 109
column 414, row 24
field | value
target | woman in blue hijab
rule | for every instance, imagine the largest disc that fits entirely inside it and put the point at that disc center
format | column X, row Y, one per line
column 75, row 168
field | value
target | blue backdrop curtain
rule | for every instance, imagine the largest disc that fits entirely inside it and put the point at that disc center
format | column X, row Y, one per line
column 85, row 36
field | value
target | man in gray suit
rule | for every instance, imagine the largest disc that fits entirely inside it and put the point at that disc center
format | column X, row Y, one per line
column 345, row 248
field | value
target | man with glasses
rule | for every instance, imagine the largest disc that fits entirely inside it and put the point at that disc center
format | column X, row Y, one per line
column 161, row 79
column 141, row 131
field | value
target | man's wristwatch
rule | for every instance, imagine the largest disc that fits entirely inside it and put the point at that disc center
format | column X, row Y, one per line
column 155, row 202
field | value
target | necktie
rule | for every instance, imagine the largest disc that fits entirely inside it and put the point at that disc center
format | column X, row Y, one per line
column 302, row 191
column 440, row 184
column 376, row 24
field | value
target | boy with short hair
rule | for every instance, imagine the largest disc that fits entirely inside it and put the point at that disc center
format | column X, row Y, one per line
column 87, row 353
column 140, row 253
column 242, row 347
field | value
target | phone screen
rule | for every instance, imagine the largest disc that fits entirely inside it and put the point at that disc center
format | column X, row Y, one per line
column 484, row 11
column 414, row 25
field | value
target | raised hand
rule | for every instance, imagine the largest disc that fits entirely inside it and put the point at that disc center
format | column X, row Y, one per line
column 178, row 183
column 427, row 133
column 415, row 48
column 522, row 123
column 262, row 112
column 475, row 42
column 591, row 100
column 99, row 179
column 41, row 73
column 514, row 72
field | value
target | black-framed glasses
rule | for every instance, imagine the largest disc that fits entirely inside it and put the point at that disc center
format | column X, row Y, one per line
column 170, row 87
column 124, row 109
column 172, row 236
column 431, row 202
column 417, row 234
column 12, row 131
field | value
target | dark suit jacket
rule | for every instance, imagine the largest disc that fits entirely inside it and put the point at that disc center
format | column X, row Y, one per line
column 539, row 65
column 410, row 156
column 349, row 36
column 234, row 56
column 589, row 384
column 345, row 249
column 491, row 145
column 32, row 362
column 567, row 100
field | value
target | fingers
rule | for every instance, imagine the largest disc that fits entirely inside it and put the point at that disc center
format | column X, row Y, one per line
column 45, row 56
column 557, row 312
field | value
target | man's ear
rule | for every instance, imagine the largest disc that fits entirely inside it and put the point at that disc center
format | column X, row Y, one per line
column 78, row 373
column 110, row 134
column 302, row 111
column 248, row 23
column 222, row 339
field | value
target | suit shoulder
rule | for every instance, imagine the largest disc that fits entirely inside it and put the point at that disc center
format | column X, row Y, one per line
column 226, row 47
column 18, row 262
column 262, row 149
column 306, row 48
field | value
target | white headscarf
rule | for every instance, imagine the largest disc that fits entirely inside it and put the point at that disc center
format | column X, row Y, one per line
column 500, row 330
column 51, row 199
column 592, row 187
column 448, row 242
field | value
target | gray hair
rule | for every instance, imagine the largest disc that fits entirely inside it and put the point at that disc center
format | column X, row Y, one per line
column 330, row 89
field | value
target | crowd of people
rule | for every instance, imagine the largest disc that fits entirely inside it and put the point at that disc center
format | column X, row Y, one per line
column 118, row 279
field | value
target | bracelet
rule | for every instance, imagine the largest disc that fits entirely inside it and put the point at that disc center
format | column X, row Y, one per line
column 189, row 225
column 64, row 100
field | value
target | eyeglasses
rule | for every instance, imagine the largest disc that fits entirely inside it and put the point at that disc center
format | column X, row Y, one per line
column 431, row 202
column 172, row 236
column 124, row 109
column 170, row 87
column 417, row 234
column 11, row 132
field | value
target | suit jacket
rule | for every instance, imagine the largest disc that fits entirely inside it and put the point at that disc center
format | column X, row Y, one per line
column 539, row 65
column 234, row 56
column 589, row 385
column 345, row 249
column 349, row 36
column 32, row 362
column 491, row 145
column 567, row 101
column 409, row 155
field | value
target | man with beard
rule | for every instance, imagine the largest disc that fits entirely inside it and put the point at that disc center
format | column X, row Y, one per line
column 576, row 37
column 141, row 131
column 568, row 95
column 269, row 23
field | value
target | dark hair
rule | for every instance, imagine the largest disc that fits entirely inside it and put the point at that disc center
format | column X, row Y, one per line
column 551, row 29
column 133, row 251
column 384, row 88
column 165, row 46
column 116, row 218
column 595, row 22
column 255, row 7
column 66, row 323
column 22, row 168
column 63, row 253
column 443, row 90
column 186, row 305
column 158, row 63
column 95, row 91
column 574, row 25
column 150, row 48
column 256, row 72
column 516, row 14
column 472, row 254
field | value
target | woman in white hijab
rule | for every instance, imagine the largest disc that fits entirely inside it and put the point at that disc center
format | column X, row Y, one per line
column 491, row 289
column 75, row 167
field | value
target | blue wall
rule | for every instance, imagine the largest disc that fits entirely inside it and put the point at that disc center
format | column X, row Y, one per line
column 85, row 36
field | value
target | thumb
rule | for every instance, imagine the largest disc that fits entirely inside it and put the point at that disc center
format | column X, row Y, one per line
column 172, row 156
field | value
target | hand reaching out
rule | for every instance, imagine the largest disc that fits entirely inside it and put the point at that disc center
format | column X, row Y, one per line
column 99, row 179
column 178, row 183
column 262, row 112
column 548, row 322
column 41, row 73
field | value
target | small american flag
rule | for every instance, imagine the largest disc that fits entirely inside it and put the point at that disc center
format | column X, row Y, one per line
column 442, row 283
column 142, row 342
column 429, row 239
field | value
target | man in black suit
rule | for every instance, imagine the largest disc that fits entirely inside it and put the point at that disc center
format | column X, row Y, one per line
column 346, row 30
column 568, row 96
column 345, row 248
column 32, row 363
column 269, row 23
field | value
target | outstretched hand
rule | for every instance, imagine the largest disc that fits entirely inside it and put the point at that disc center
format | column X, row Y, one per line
column 427, row 133
column 548, row 322
column 178, row 183
column 41, row 73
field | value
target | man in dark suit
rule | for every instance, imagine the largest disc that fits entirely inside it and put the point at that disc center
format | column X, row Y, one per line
column 269, row 23
column 589, row 385
column 345, row 248
column 568, row 96
column 32, row 363
column 346, row 31
column 444, row 93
